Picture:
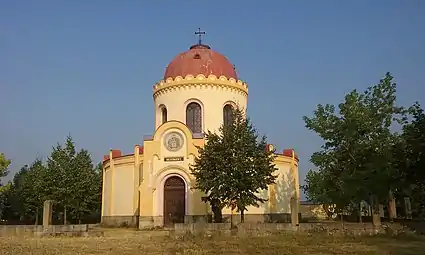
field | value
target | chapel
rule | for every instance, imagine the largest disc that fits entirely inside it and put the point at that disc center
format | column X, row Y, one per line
column 153, row 186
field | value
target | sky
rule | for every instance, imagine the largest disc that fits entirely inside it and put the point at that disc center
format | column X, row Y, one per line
column 86, row 68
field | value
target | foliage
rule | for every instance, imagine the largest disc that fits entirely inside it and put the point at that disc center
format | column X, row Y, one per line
column 234, row 165
column 358, row 146
column 73, row 179
column 4, row 164
column 25, row 199
column 68, row 177
column 4, row 191
column 410, row 161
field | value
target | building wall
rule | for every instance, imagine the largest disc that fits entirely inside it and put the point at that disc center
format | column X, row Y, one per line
column 123, row 195
column 280, row 193
column 107, row 192
column 120, row 189
column 286, row 186
column 211, row 93
column 133, row 185
column 313, row 212
column 156, row 170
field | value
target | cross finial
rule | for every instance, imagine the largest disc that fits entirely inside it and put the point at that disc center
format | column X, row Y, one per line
column 199, row 33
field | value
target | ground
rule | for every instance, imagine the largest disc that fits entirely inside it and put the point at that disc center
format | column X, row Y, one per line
column 138, row 242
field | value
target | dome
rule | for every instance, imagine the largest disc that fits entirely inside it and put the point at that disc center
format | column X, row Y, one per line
column 200, row 59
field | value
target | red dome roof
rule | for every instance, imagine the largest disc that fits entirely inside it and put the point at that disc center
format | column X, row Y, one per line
column 200, row 59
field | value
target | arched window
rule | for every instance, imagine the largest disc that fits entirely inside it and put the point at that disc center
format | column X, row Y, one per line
column 227, row 114
column 164, row 114
column 194, row 117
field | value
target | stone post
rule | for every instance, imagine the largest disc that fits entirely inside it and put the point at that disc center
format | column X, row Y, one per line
column 376, row 217
column 408, row 208
column 392, row 211
column 47, row 213
column 294, row 212
column 381, row 211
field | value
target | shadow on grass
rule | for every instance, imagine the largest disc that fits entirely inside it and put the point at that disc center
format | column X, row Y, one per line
column 138, row 242
column 405, row 244
column 304, row 243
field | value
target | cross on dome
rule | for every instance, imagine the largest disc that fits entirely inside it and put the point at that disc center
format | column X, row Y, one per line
column 200, row 59
column 200, row 33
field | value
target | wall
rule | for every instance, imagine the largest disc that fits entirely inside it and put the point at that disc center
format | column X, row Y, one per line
column 267, row 228
column 211, row 93
column 156, row 170
column 278, row 195
column 123, row 190
column 120, row 200
column 287, row 184
column 133, row 184
column 119, row 183
column 107, row 192
column 31, row 230
column 312, row 212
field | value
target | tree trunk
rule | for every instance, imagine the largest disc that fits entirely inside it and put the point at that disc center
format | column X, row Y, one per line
column 392, row 213
column 376, row 216
column 242, row 216
column 360, row 213
column 64, row 216
column 36, row 216
column 328, row 212
column 216, row 208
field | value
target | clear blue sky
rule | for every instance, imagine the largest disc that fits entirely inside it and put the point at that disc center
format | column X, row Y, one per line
column 87, row 67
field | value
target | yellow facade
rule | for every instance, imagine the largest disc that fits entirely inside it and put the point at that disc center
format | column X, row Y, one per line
column 133, row 185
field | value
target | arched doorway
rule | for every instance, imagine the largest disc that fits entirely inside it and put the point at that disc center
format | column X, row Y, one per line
column 174, row 200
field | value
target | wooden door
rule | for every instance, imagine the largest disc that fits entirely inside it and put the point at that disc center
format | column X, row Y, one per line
column 174, row 201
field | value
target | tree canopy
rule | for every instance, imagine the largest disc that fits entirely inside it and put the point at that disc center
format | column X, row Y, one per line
column 409, row 161
column 234, row 165
column 68, row 177
column 362, row 156
column 4, row 165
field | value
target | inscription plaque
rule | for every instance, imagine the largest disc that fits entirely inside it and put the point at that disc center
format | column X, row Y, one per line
column 172, row 159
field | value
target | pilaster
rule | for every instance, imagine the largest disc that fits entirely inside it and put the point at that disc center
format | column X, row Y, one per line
column 112, row 169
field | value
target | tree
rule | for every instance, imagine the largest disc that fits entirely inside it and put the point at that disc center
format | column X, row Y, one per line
column 74, row 181
column 234, row 165
column 4, row 165
column 355, row 161
column 14, row 204
column 68, row 177
column 28, row 193
column 410, row 161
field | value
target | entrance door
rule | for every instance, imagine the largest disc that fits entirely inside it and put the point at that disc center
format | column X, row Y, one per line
column 174, row 201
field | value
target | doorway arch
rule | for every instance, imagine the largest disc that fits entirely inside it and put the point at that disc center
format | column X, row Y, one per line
column 174, row 200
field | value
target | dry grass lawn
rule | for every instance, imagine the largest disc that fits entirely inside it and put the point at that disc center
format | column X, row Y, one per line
column 137, row 242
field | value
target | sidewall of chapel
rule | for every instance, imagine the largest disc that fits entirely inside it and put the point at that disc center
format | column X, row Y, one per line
column 211, row 97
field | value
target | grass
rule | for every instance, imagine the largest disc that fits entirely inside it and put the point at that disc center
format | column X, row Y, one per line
column 139, row 242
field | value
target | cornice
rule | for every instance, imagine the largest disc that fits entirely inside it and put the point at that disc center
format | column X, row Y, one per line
column 285, row 159
column 199, row 81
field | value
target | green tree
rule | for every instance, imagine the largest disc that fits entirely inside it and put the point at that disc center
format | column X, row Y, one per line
column 68, row 177
column 410, row 161
column 14, row 203
column 4, row 165
column 74, row 181
column 234, row 165
column 354, row 163
column 27, row 194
